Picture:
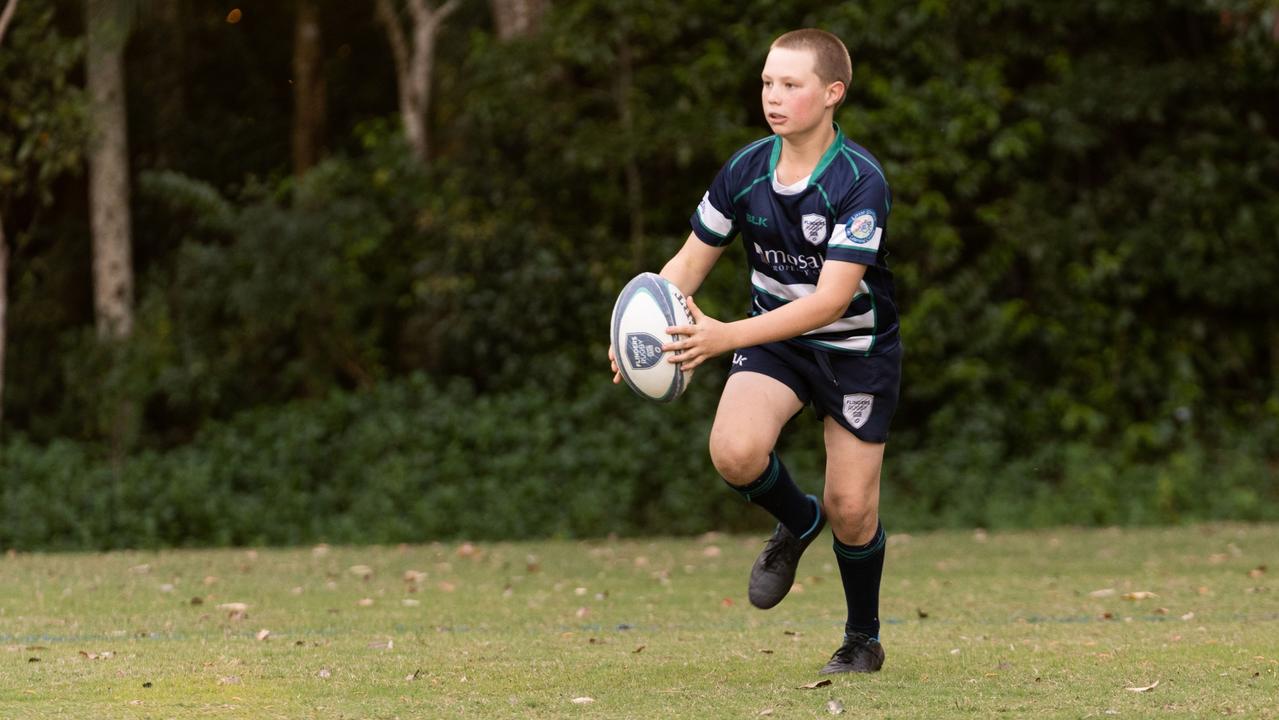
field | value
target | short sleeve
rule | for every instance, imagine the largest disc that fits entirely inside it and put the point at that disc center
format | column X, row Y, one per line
column 861, row 219
column 714, row 221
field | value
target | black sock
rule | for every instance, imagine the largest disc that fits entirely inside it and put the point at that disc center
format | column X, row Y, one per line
column 777, row 493
column 860, row 567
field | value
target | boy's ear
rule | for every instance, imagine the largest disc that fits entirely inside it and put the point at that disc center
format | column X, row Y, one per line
column 834, row 93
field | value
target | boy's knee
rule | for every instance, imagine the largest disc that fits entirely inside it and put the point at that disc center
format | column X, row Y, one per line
column 853, row 517
column 738, row 462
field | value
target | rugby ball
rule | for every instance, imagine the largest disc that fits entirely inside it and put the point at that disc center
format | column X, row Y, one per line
column 645, row 308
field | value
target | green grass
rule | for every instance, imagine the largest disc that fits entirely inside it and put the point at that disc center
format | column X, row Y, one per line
column 1005, row 625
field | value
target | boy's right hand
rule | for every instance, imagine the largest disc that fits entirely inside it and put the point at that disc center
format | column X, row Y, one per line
column 612, row 360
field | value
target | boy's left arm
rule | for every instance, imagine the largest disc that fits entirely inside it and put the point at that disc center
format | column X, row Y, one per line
column 708, row 337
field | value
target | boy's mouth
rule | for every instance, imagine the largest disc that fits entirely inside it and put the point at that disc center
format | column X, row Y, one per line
column 776, row 117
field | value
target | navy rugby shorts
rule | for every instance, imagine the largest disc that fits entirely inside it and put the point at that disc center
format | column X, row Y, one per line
column 860, row 392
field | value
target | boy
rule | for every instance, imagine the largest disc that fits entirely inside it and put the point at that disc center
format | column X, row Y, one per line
column 812, row 209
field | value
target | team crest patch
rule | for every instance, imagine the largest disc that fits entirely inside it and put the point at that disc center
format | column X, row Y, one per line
column 857, row 409
column 645, row 350
column 814, row 228
column 861, row 227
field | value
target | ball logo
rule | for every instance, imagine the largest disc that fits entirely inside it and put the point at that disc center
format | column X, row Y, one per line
column 861, row 227
column 857, row 408
column 644, row 349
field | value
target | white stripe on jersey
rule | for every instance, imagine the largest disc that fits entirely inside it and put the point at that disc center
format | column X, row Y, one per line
column 856, row 322
column 839, row 239
column 713, row 219
column 786, row 292
column 861, row 343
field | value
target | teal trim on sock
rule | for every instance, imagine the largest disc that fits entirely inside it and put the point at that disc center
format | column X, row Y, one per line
column 861, row 552
column 764, row 484
column 817, row 518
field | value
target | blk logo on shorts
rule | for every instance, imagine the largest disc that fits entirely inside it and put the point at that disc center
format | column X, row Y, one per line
column 857, row 408
column 738, row 360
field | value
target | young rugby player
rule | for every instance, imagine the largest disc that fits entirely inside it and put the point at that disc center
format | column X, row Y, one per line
column 812, row 209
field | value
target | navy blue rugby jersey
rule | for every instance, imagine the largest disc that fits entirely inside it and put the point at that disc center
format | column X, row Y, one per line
column 839, row 213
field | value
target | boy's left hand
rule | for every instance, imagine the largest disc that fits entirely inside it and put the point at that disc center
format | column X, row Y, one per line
column 700, row 342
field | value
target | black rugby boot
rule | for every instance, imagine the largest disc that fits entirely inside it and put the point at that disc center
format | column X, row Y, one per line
column 860, row 653
column 774, row 570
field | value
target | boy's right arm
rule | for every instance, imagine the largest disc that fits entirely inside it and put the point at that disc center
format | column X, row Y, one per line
column 687, row 269
column 691, row 264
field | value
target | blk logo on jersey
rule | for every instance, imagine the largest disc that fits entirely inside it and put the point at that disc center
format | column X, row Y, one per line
column 814, row 228
column 857, row 409
column 861, row 227
column 645, row 350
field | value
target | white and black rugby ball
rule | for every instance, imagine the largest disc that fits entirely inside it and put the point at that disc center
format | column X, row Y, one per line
column 645, row 308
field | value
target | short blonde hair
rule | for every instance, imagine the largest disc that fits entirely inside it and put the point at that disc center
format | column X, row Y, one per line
column 830, row 57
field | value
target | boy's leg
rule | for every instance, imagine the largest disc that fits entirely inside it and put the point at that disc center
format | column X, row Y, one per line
column 752, row 412
column 852, row 506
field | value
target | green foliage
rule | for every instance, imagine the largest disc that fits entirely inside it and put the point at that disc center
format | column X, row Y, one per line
column 415, row 460
column 1083, row 236
column 41, row 115
column 408, row 460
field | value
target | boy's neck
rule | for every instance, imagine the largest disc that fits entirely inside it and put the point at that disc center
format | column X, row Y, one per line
column 801, row 153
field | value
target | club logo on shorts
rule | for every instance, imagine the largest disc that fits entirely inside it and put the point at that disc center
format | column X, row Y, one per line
column 857, row 409
column 814, row 228
column 861, row 227
column 645, row 350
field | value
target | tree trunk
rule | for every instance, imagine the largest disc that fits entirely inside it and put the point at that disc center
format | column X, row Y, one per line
column 413, row 65
column 4, row 302
column 517, row 18
column 109, row 170
column 5, row 17
column 309, row 92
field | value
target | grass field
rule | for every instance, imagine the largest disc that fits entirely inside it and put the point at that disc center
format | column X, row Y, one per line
column 1050, row 624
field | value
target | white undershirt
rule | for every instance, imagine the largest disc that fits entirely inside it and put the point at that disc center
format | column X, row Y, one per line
column 794, row 188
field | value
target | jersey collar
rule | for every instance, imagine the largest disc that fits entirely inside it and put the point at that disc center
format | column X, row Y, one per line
column 827, row 157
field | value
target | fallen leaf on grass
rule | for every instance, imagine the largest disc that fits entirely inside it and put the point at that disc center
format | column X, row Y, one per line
column 363, row 572
column 726, row 602
column 325, row 673
column 263, row 634
column 414, row 577
column 1139, row 595
column 766, row 651
column 1102, row 593
column 814, row 685
column 712, row 551
column 922, row 615
column 364, row 602
column 410, row 602
column 766, row 712
column 96, row 656
column 382, row 645
column 1257, row 571
column 1147, row 688
column 583, row 700
column 638, row 650
column 582, row 612
column 229, row 680
column 446, row 586
column 413, row 675
column 834, row 707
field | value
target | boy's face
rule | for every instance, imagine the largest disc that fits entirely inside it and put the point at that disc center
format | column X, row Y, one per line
column 795, row 98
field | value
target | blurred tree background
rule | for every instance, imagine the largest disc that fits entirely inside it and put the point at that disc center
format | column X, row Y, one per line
column 373, row 248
